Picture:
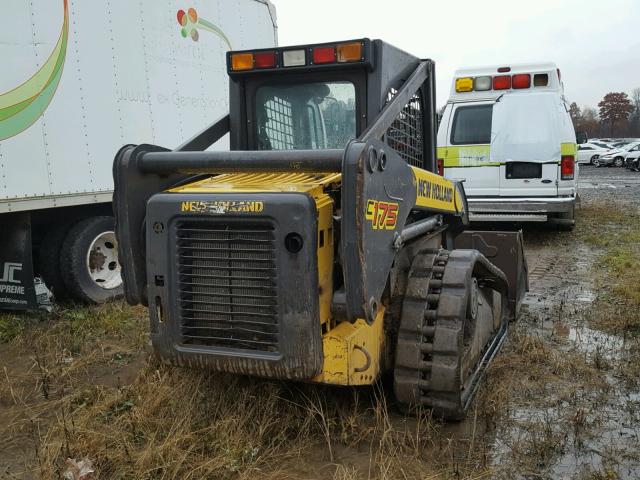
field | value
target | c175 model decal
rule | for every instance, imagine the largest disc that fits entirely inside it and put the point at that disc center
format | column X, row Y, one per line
column 190, row 22
column 382, row 215
column 22, row 106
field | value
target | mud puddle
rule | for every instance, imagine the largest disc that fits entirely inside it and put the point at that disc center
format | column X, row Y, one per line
column 578, row 425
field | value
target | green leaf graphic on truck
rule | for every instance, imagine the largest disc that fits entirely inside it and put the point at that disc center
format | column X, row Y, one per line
column 190, row 23
column 22, row 106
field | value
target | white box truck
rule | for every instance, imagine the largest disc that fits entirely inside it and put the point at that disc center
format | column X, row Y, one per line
column 78, row 81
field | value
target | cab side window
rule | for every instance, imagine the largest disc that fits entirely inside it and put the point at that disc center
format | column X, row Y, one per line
column 472, row 125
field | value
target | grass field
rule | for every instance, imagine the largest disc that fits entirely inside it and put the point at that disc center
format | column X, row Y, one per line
column 81, row 382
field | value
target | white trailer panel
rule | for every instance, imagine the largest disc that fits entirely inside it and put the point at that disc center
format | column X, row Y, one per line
column 129, row 76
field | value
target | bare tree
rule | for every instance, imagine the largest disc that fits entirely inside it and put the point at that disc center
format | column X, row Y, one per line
column 635, row 98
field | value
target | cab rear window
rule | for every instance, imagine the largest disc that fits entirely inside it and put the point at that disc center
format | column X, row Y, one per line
column 472, row 125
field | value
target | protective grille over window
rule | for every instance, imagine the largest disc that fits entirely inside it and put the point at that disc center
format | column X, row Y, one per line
column 305, row 116
column 278, row 128
column 405, row 133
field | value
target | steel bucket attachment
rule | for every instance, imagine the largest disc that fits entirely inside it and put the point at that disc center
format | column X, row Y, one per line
column 506, row 251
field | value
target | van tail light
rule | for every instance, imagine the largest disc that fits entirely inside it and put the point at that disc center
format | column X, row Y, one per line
column 440, row 164
column 567, row 167
column 502, row 82
column 521, row 80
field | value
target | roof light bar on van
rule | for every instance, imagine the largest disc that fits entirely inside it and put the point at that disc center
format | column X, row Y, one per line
column 338, row 54
column 502, row 82
column 482, row 84
column 464, row 84
column 521, row 80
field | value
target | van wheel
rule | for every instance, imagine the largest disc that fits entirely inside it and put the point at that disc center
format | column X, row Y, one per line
column 89, row 261
column 49, row 259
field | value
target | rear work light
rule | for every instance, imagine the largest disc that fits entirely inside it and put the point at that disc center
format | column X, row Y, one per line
column 464, row 84
column 567, row 167
column 324, row 55
column 521, row 80
column 294, row 58
column 482, row 84
column 502, row 82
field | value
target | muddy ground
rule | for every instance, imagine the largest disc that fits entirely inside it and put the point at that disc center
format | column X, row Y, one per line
column 562, row 400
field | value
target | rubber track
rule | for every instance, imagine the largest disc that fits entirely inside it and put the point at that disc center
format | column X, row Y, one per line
column 430, row 346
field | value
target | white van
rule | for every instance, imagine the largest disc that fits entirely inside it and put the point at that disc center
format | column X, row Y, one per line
column 506, row 131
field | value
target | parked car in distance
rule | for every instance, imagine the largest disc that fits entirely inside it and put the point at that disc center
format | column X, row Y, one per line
column 617, row 157
column 590, row 151
column 633, row 160
column 620, row 144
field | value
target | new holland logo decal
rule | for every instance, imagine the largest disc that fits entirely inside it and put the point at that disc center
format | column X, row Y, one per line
column 222, row 207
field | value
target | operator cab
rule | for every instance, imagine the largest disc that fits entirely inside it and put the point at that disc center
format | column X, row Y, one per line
column 316, row 97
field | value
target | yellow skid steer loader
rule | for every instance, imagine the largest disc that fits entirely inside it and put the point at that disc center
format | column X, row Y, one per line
column 322, row 247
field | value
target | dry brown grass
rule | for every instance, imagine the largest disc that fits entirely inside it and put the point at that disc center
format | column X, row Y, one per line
column 178, row 423
column 83, row 384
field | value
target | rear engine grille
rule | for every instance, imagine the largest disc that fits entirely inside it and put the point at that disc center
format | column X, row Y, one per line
column 227, row 283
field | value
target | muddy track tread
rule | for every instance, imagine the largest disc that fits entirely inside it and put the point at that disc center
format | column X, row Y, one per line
column 430, row 341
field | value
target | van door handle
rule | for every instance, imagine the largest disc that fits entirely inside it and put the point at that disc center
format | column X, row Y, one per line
column 546, row 180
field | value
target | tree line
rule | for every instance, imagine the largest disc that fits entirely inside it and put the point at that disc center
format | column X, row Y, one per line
column 618, row 116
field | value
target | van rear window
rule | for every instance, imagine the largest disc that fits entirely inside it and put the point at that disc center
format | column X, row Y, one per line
column 472, row 125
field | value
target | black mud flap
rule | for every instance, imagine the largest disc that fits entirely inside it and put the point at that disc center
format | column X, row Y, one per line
column 506, row 251
column 17, row 289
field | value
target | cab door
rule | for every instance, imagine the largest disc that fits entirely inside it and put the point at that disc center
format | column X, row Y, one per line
column 467, row 152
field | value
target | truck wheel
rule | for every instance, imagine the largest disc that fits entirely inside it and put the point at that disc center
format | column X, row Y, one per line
column 89, row 261
column 49, row 259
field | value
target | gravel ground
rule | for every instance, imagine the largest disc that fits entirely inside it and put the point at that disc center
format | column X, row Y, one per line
column 618, row 185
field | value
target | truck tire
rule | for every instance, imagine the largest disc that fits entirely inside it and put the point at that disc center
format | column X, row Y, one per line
column 89, row 261
column 49, row 259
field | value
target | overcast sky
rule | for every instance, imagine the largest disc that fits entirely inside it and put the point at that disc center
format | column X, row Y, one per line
column 596, row 43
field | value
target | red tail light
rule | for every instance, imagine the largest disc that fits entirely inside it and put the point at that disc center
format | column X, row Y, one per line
column 567, row 167
column 440, row 163
column 264, row 60
column 324, row 55
column 502, row 82
column 521, row 80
